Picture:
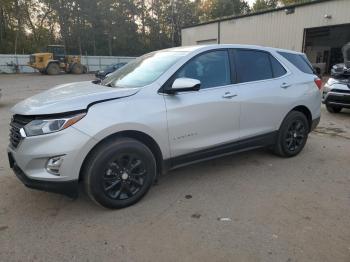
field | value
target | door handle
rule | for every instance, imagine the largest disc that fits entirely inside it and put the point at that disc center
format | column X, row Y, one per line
column 228, row 95
column 285, row 85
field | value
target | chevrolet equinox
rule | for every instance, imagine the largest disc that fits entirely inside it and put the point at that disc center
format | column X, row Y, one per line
column 161, row 111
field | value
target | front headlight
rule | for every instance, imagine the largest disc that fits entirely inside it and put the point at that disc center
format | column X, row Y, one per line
column 46, row 126
column 332, row 81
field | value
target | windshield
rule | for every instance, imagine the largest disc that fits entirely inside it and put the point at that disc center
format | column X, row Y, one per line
column 143, row 70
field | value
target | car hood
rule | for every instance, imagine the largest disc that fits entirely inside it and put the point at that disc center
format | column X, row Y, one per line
column 69, row 97
column 342, row 84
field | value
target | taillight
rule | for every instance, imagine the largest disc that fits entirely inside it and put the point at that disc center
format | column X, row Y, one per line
column 318, row 82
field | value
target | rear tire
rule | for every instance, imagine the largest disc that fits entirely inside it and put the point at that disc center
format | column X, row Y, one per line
column 333, row 109
column 119, row 173
column 53, row 69
column 292, row 135
column 77, row 69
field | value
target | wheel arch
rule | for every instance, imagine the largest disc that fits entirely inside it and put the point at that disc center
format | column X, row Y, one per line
column 306, row 111
column 137, row 135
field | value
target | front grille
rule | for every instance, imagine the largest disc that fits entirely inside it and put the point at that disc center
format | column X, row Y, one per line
column 341, row 91
column 343, row 99
column 17, row 122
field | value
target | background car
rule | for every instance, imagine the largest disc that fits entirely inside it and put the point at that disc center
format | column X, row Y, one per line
column 109, row 69
column 336, row 92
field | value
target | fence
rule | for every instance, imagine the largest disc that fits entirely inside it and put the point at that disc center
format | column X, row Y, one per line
column 18, row 63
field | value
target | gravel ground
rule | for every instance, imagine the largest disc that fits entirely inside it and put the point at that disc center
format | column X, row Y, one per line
column 248, row 207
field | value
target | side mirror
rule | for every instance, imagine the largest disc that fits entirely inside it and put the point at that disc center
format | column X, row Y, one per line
column 184, row 84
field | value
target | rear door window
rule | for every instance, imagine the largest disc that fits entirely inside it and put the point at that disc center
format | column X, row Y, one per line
column 252, row 65
column 299, row 61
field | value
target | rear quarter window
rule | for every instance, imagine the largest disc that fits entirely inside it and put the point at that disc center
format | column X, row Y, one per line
column 277, row 69
column 299, row 61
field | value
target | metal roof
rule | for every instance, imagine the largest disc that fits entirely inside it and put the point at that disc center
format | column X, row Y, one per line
column 312, row 2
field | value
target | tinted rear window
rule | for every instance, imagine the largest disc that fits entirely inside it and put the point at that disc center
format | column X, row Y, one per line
column 299, row 61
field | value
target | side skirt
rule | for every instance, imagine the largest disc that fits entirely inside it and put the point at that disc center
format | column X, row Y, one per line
column 222, row 150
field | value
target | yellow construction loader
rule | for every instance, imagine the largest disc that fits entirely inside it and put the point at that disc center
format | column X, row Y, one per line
column 55, row 60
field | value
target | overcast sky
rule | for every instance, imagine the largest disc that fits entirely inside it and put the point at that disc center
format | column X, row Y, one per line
column 250, row 2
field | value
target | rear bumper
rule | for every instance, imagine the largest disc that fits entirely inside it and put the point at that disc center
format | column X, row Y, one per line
column 315, row 123
column 68, row 188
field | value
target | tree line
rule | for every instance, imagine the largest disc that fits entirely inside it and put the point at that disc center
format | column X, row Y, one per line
column 110, row 27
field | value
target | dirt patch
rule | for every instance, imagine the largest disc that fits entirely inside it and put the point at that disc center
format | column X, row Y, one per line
column 3, row 228
column 332, row 131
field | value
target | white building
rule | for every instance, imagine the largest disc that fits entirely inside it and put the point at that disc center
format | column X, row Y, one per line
column 319, row 28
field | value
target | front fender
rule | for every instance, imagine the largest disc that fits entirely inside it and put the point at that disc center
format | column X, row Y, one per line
column 135, row 113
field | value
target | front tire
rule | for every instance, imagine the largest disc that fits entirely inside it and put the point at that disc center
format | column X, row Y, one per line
column 292, row 135
column 119, row 173
column 333, row 109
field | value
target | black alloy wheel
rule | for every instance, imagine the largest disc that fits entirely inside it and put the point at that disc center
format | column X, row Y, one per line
column 295, row 135
column 119, row 172
column 124, row 177
column 292, row 135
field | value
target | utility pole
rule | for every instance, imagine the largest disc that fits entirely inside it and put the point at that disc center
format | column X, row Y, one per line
column 173, row 25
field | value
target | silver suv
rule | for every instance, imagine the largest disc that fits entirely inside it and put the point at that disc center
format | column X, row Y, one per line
column 161, row 111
